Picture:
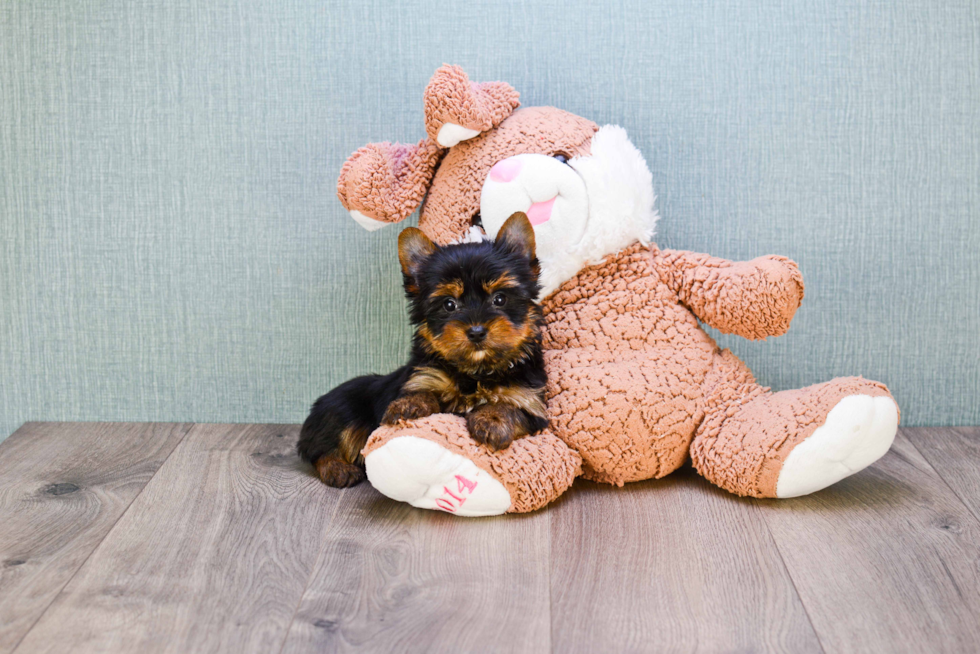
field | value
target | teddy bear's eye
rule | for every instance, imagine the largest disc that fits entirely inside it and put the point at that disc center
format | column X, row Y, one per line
column 561, row 157
column 476, row 220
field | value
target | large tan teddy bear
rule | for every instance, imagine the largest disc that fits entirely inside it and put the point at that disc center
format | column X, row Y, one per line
column 635, row 385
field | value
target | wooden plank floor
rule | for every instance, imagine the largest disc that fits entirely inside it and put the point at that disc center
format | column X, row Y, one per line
column 187, row 538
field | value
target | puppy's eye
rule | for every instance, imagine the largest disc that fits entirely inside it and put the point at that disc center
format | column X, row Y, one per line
column 499, row 299
column 449, row 304
column 477, row 220
column 561, row 157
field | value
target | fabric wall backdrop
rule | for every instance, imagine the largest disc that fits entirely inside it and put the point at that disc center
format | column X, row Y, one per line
column 171, row 247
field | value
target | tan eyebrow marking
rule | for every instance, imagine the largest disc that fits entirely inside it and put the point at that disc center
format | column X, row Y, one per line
column 504, row 281
column 452, row 288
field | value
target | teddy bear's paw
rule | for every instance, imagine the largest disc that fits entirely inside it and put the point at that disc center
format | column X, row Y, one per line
column 857, row 432
column 428, row 476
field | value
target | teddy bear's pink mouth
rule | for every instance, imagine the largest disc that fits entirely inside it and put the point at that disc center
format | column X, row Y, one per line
column 540, row 212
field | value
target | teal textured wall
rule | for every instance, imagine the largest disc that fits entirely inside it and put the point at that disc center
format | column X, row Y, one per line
column 171, row 247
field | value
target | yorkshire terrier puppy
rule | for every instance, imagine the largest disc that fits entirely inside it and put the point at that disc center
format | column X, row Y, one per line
column 476, row 352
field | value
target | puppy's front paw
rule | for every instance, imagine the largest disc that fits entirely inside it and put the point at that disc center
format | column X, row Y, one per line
column 494, row 426
column 411, row 407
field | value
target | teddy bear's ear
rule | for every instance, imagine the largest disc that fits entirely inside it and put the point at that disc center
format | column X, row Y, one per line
column 457, row 109
column 383, row 183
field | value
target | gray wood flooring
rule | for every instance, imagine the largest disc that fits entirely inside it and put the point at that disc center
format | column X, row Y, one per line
column 215, row 538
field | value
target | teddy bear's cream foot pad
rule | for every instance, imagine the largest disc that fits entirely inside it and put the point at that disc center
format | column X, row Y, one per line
column 428, row 476
column 858, row 431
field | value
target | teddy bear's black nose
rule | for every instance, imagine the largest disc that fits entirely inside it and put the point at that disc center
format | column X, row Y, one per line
column 476, row 333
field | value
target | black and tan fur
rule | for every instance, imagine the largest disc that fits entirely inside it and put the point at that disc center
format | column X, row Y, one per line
column 476, row 352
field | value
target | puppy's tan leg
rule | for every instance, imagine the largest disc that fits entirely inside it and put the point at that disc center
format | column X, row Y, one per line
column 345, row 466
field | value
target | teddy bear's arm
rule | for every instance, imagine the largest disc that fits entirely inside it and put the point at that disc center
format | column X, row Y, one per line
column 753, row 299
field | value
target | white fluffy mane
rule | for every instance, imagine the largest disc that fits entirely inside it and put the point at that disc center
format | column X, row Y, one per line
column 621, row 211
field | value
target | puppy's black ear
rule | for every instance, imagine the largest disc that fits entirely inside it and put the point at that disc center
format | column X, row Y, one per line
column 414, row 248
column 517, row 234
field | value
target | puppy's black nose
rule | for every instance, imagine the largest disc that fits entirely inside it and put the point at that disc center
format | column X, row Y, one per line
column 476, row 333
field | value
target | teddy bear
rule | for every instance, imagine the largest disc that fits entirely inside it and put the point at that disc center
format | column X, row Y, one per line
column 635, row 385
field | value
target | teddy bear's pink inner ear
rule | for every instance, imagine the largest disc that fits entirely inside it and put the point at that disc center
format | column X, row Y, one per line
column 384, row 183
column 457, row 109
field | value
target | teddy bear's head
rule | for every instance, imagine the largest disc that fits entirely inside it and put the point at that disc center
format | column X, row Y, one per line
column 586, row 189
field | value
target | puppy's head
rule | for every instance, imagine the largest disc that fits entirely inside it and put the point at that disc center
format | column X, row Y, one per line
column 473, row 303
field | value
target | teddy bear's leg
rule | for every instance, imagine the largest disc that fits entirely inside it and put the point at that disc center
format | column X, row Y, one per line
column 432, row 463
column 754, row 442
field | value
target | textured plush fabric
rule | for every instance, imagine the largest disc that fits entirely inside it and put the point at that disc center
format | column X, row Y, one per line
column 172, row 248
column 752, row 299
column 387, row 181
column 632, row 378
column 535, row 470
column 748, row 432
column 450, row 97
column 455, row 194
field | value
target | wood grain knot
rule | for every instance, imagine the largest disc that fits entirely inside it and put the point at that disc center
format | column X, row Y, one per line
column 61, row 489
